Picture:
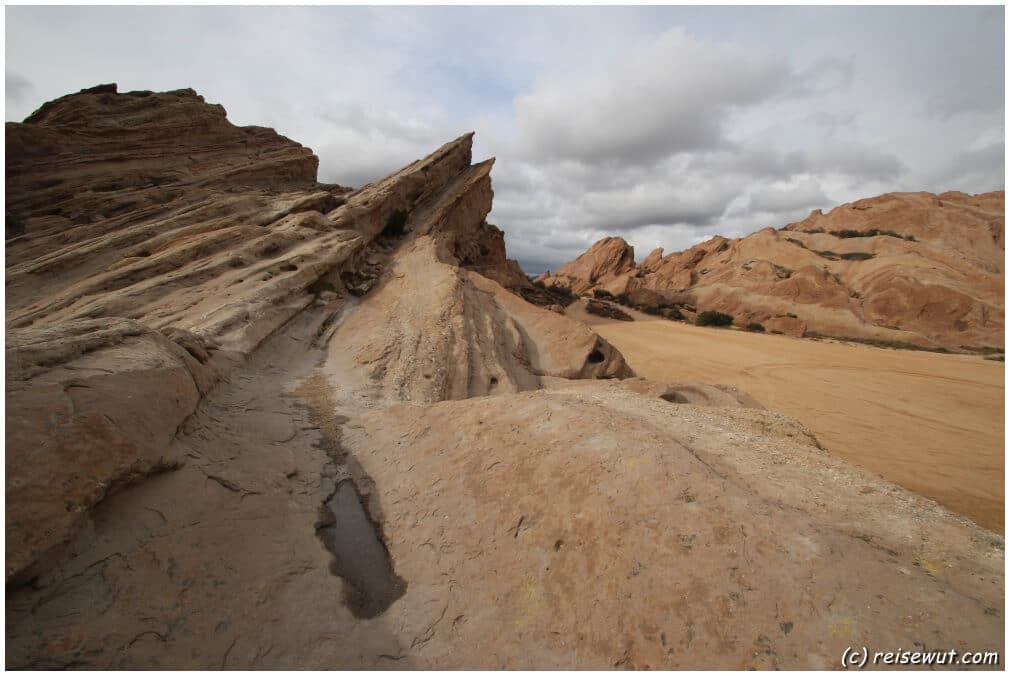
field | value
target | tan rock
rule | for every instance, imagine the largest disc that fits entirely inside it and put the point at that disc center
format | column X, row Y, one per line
column 494, row 472
column 247, row 241
column 908, row 267
column 605, row 261
column 91, row 405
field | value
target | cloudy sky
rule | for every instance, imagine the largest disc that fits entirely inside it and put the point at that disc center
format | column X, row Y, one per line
column 664, row 125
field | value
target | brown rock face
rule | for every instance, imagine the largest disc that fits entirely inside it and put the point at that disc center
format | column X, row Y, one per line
column 606, row 261
column 92, row 405
column 908, row 267
column 255, row 421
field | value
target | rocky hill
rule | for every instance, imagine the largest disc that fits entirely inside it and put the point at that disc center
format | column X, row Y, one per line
column 910, row 268
column 258, row 421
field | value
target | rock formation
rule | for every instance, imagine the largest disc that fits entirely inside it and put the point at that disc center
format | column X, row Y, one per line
column 188, row 235
column 909, row 268
column 214, row 360
column 606, row 261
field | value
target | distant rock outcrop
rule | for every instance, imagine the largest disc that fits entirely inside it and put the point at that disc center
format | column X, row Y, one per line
column 607, row 260
column 910, row 268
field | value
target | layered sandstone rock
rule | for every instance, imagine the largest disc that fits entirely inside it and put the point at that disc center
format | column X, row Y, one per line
column 905, row 267
column 142, row 212
column 192, row 384
column 607, row 260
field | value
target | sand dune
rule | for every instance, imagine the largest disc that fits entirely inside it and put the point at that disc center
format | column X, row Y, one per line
column 932, row 423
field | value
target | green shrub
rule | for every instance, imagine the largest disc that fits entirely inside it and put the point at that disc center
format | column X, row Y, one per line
column 857, row 256
column 756, row 327
column 675, row 314
column 879, row 342
column 846, row 234
column 603, row 309
column 713, row 318
column 602, row 293
column 982, row 349
column 783, row 272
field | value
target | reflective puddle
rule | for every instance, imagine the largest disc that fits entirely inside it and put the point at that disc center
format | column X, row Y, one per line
column 359, row 555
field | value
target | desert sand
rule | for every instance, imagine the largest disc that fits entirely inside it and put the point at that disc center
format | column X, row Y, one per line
column 930, row 422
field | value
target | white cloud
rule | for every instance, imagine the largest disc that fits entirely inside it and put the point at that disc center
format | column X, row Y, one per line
column 663, row 96
column 663, row 124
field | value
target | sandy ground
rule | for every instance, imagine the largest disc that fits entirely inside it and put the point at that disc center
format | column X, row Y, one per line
column 932, row 423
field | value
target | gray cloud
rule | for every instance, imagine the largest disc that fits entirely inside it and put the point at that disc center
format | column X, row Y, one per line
column 778, row 199
column 664, row 124
column 826, row 75
column 668, row 95
column 16, row 87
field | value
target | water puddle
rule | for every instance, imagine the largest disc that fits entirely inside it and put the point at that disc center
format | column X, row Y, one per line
column 359, row 555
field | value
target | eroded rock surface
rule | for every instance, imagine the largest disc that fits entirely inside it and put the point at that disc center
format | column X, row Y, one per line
column 911, row 268
column 184, row 427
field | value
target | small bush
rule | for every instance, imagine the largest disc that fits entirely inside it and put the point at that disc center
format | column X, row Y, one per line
column 675, row 314
column 878, row 342
column 783, row 272
column 602, row 293
column 607, row 310
column 791, row 315
column 756, row 327
column 846, row 234
column 543, row 294
column 713, row 318
column 857, row 256
column 982, row 349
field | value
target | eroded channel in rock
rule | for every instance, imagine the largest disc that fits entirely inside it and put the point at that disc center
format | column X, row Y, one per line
column 360, row 557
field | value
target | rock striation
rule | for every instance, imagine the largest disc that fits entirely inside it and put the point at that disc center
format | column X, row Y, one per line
column 913, row 268
column 212, row 359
